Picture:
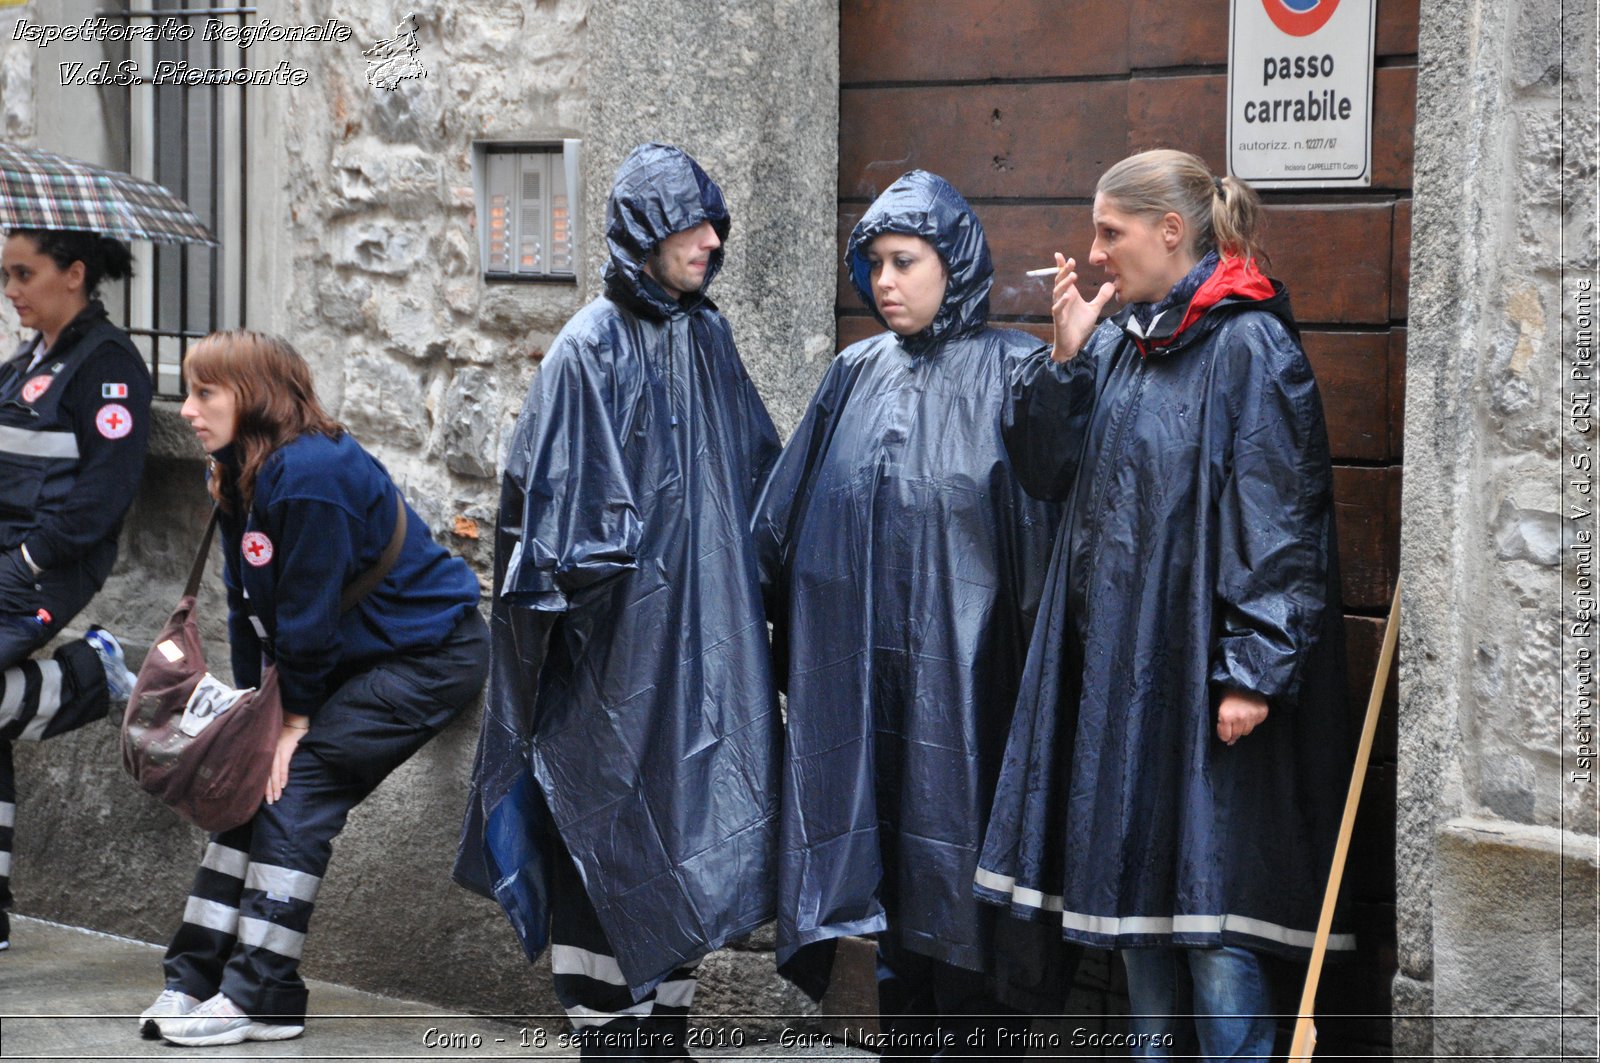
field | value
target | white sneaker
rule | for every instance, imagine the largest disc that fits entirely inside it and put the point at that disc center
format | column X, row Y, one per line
column 171, row 1004
column 220, row 1022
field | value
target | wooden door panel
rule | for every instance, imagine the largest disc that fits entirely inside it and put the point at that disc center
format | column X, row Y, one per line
column 1334, row 258
column 965, row 40
column 1036, row 140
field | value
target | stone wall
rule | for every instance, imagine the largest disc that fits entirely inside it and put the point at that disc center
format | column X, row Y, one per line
column 1497, row 828
column 363, row 251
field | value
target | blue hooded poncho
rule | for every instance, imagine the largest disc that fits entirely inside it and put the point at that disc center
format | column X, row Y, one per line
column 904, row 564
column 1197, row 555
column 631, row 706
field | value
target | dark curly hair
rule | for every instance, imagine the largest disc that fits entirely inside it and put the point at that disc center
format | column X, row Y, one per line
column 103, row 257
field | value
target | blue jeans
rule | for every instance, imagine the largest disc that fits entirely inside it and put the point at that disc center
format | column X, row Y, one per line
column 1225, row 988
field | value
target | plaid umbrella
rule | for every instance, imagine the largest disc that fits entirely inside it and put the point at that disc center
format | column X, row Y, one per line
column 39, row 190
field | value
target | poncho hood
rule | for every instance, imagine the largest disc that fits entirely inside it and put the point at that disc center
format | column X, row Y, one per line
column 926, row 205
column 659, row 190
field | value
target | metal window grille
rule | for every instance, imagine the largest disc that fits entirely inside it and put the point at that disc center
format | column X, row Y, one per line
column 193, row 140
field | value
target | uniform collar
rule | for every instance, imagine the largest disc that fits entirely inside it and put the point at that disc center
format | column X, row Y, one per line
column 86, row 319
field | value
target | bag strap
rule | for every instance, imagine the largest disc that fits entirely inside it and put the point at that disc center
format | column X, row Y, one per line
column 198, row 569
column 354, row 591
column 365, row 583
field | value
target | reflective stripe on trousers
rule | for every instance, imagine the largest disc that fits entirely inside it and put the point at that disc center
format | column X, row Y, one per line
column 606, row 1020
column 244, row 926
column 38, row 700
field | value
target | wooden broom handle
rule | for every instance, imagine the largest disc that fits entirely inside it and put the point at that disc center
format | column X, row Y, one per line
column 1305, row 1031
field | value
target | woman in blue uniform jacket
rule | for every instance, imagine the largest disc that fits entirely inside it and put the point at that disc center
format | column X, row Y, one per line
column 74, row 419
column 1172, row 783
column 305, row 511
column 905, row 563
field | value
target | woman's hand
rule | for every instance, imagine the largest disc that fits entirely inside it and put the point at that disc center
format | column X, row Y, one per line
column 294, row 729
column 1240, row 713
column 1074, row 318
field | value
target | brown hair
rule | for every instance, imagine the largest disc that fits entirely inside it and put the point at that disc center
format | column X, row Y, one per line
column 274, row 402
column 1222, row 214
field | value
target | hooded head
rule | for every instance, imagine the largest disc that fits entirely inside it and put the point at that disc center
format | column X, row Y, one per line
column 659, row 190
column 926, row 205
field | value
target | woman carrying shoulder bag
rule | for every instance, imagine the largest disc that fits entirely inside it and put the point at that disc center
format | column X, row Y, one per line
column 305, row 511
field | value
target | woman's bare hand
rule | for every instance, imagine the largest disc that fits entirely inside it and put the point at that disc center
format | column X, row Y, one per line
column 1240, row 713
column 1074, row 317
column 294, row 729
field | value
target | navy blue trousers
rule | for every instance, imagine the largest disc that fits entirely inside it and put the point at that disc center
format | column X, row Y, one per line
column 607, row 1022
column 934, row 1010
column 41, row 699
column 244, row 927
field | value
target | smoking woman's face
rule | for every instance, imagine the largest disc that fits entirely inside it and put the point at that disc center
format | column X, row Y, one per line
column 1136, row 253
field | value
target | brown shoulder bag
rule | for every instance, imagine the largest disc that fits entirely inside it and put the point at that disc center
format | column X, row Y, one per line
column 202, row 747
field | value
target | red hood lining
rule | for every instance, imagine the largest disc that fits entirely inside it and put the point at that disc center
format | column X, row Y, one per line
column 1233, row 277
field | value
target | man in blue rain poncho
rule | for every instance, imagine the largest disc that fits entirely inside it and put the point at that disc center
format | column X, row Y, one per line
column 624, row 801
column 905, row 564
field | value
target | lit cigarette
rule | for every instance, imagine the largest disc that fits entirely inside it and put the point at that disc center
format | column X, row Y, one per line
column 1046, row 272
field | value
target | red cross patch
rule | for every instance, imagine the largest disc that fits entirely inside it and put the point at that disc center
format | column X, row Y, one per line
column 257, row 548
column 36, row 387
column 113, row 420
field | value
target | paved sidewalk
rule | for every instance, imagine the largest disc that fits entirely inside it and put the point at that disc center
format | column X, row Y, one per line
column 67, row 993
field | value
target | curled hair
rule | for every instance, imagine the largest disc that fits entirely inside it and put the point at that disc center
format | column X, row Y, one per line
column 103, row 257
column 1221, row 214
column 274, row 403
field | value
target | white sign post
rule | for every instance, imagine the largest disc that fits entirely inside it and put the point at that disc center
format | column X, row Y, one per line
column 1300, row 92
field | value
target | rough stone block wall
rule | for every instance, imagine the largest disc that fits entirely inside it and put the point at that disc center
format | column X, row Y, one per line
column 1503, row 239
column 364, row 253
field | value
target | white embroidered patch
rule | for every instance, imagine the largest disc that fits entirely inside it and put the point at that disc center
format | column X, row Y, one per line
column 36, row 387
column 114, row 421
column 211, row 699
column 257, row 548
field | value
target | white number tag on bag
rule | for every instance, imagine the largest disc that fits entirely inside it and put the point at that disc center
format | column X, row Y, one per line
column 210, row 700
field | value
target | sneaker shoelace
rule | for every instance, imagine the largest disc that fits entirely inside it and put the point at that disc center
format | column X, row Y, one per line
column 218, row 1007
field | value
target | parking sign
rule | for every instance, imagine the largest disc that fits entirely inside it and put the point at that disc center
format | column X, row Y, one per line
column 1300, row 92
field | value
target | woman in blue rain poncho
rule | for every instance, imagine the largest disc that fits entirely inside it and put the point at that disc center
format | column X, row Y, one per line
column 1172, row 782
column 903, row 564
